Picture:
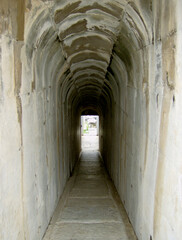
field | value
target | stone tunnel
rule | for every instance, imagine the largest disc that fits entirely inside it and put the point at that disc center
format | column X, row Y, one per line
column 119, row 59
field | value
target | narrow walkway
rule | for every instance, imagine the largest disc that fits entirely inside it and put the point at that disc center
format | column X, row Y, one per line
column 92, row 209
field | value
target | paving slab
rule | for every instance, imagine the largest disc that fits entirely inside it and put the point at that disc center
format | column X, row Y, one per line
column 91, row 210
column 88, row 184
column 101, row 190
column 98, row 231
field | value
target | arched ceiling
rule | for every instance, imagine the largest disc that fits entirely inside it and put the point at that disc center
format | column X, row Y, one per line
column 82, row 38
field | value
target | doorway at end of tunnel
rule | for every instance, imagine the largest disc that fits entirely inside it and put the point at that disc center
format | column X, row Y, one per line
column 89, row 132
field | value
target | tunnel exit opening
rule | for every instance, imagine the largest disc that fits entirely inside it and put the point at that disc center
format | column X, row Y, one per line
column 89, row 132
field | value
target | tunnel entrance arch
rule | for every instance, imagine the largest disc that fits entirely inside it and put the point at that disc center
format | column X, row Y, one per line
column 89, row 132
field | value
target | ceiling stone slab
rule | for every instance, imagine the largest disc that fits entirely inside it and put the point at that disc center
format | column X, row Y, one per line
column 86, row 41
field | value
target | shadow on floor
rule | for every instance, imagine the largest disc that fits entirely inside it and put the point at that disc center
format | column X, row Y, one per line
column 90, row 207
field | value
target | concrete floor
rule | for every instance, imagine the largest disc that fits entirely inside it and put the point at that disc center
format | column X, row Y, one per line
column 90, row 142
column 90, row 207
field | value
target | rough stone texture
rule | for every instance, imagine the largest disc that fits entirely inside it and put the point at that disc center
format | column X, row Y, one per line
column 118, row 58
column 87, row 214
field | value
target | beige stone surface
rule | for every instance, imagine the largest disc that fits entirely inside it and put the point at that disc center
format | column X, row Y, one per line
column 120, row 59
column 91, row 215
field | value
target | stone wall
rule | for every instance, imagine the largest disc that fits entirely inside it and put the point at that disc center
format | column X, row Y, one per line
column 142, row 149
column 36, row 138
column 121, row 59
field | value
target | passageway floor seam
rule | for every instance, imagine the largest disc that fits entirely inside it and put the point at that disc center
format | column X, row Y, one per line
column 91, row 208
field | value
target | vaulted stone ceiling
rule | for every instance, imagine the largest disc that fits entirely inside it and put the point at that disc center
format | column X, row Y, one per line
column 89, row 35
column 88, row 32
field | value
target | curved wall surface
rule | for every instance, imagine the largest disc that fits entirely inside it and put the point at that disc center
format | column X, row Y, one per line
column 118, row 58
